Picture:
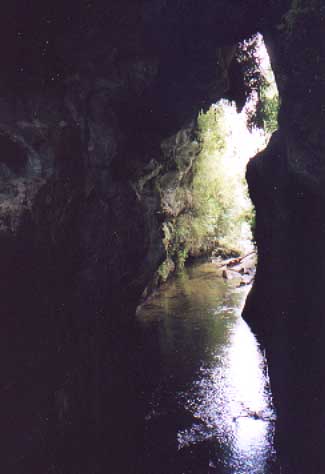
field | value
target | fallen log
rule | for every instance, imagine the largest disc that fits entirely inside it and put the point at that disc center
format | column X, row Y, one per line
column 231, row 262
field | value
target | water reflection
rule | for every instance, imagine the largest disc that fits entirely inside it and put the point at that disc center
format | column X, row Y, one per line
column 231, row 401
column 214, row 376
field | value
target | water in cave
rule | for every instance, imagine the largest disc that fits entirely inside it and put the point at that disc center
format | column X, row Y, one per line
column 209, row 408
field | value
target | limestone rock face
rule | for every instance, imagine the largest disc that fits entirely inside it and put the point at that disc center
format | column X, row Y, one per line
column 83, row 119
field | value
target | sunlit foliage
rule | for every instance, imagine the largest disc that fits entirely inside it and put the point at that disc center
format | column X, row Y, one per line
column 220, row 212
column 259, row 85
column 220, row 197
column 220, row 216
column 269, row 109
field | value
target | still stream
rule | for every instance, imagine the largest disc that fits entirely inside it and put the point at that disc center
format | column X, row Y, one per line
column 210, row 407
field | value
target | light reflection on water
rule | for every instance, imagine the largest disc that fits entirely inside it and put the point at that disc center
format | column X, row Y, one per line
column 226, row 391
column 231, row 401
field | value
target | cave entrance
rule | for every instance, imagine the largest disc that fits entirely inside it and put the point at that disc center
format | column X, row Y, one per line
column 230, row 135
column 204, row 199
column 211, row 405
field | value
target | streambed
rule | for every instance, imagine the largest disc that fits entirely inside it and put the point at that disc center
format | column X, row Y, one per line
column 209, row 407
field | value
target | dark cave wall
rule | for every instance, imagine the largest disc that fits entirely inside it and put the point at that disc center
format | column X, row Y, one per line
column 88, row 93
column 286, row 305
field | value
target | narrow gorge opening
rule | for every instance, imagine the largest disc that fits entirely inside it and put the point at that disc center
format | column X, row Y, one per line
column 204, row 202
column 211, row 402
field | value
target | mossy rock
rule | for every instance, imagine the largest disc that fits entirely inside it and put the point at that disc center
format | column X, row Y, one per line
column 165, row 270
